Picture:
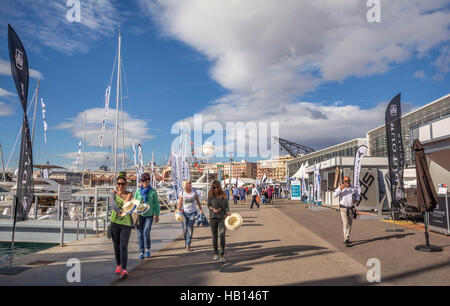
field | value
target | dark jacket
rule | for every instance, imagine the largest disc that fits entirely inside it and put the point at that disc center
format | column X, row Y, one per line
column 217, row 203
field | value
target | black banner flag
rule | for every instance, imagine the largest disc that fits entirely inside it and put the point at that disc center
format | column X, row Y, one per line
column 20, row 73
column 395, row 150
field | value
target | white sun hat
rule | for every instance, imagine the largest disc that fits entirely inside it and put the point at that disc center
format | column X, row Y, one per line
column 233, row 221
column 178, row 216
column 129, row 207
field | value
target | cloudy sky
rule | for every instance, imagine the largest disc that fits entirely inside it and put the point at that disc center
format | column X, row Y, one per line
column 319, row 69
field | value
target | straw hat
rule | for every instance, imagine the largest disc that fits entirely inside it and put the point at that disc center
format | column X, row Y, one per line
column 233, row 222
column 129, row 207
column 142, row 208
column 178, row 216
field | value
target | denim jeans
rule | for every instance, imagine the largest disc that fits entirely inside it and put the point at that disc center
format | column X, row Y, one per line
column 143, row 232
column 188, row 226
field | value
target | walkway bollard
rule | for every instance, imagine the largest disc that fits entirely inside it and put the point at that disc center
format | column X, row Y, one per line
column 36, row 200
column 62, row 223
column 82, row 207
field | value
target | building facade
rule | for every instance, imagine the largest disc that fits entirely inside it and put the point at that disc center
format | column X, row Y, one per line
column 274, row 169
column 345, row 149
column 376, row 138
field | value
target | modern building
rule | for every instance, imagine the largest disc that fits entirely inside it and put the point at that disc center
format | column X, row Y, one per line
column 345, row 149
column 274, row 169
column 376, row 138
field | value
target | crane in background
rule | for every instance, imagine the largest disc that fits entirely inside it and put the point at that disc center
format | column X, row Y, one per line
column 294, row 149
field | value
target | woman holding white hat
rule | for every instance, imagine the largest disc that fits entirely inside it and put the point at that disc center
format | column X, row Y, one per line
column 148, row 195
column 187, row 207
column 121, row 224
column 219, row 209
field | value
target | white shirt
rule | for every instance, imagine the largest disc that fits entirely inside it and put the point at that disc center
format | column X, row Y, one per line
column 189, row 202
column 255, row 191
column 346, row 195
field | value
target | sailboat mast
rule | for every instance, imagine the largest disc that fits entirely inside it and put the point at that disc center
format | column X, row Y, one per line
column 3, row 164
column 116, row 142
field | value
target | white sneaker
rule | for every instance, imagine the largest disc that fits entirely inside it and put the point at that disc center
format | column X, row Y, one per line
column 216, row 257
column 222, row 259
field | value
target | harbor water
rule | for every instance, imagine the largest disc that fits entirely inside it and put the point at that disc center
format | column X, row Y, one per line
column 21, row 249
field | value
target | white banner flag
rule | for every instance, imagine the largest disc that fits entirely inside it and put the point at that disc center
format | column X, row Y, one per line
column 102, row 133
column 317, row 191
column 360, row 153
column 43, row 119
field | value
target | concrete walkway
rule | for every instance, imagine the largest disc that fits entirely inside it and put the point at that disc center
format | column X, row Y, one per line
column 269, row 249
column 96, row 256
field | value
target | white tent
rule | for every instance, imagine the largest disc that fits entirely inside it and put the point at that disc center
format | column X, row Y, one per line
column 241, row 181
column 298, row 174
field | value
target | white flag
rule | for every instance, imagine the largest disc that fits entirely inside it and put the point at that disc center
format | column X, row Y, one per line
column 102, row 133
column 43, row 119
column 362, row 150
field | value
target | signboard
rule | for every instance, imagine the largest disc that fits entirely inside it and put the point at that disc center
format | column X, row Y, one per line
column 439, row 217
column 64, row 192
column 295, row 191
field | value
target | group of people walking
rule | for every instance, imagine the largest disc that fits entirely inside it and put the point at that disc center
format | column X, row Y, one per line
column 189, row 207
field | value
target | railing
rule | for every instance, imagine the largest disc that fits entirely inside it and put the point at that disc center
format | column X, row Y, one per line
column 85, row 225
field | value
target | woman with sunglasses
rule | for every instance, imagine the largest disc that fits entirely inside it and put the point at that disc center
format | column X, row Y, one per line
column 121, row 225
column 348, row 197
column 146, row 194
column 219, row 209
column 187, row 206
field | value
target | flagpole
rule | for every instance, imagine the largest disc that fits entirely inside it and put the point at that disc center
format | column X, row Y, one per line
column 116, row 142
column 3, row 164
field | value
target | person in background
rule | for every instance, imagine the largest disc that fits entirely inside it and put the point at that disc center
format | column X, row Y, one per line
column 188, row 206
column 277, row 191
column 146, row 194
column 270, row 194
column 348, row 197
column 242, row 194
column 121, row 225
column 235, row 194
column 219, row 209
column 255, row 193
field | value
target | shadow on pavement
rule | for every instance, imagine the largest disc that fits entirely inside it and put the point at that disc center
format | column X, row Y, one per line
column 397, row 236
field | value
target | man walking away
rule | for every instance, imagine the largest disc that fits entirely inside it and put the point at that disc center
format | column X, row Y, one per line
column 255, row 193
column 348, row 197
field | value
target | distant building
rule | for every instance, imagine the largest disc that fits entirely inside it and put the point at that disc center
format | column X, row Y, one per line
column 345, row 149
column 243, row 169
column 274, row 169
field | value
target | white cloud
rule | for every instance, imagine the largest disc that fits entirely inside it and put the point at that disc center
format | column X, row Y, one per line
column 442, row 63
column 266, row 53
column 5, row 109
column 134, row 127
column 420, row 74
column 5, row 93
column 46, row 22
column 93, row 160
column 5, row 69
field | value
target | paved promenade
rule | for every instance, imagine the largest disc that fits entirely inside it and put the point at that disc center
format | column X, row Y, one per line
column 282, row 244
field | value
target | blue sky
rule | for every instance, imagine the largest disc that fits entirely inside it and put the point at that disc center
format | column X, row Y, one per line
column 325, row 83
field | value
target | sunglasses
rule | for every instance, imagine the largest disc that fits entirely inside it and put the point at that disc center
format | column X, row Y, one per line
column 215, row 187
column 347, row 181
column 121, row 184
